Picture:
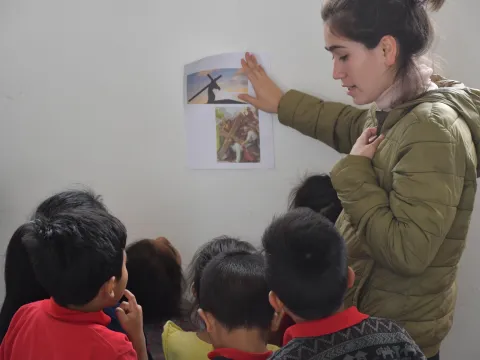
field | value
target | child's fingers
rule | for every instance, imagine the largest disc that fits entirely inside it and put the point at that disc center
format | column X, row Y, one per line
column 125, row 306
column 131, row 298
column 121, row 315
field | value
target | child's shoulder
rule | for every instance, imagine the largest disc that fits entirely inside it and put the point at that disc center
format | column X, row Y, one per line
column 379, row 324
column 112, row 341
column 180, row 344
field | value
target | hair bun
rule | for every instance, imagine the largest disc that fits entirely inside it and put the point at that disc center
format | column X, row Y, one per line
column 43, row 227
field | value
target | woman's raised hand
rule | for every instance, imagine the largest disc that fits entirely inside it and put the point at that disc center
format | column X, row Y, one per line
column 268, row 94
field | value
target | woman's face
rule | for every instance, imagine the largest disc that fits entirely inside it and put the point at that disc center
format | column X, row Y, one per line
column 364, row 73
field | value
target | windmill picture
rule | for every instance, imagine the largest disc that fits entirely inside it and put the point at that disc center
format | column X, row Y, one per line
column 224, row 82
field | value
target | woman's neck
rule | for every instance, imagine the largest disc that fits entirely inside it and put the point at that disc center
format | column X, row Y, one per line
column 392, row 95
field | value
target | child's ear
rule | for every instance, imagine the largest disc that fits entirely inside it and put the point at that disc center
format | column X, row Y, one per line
column 108, row 288
column 276, row 303
column 207, row 319
column 350, row 277
column 279, row 308
column 277, row 320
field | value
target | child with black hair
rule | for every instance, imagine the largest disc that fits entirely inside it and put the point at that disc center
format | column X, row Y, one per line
column 308, row 276
column 234, row 306
column 316, row 192
column 78, row 257
column 155, row 277
column 179, row 344
column 21, row 285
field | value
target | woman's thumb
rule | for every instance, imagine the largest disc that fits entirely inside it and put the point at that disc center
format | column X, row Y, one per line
column 249, row 99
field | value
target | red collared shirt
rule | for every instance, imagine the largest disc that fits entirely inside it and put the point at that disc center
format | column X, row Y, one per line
column 45, row 330
column 234, row 354
column 329, row 325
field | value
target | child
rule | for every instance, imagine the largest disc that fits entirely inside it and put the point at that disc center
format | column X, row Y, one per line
column 21, row 285
column 78, row 257
column 234, row 306
column 155, row 277
column 179, row 344
column 317, row 193
column 308, row 274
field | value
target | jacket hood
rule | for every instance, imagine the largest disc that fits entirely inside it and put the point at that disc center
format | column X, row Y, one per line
column 465, row 100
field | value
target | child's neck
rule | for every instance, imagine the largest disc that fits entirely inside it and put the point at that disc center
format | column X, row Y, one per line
column 252, row 341
column 299, row 320
column 92, row 306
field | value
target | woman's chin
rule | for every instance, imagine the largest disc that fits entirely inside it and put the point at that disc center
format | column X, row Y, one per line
column 358, row 100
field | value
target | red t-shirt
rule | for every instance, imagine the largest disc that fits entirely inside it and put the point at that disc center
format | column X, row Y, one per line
column 45, row 330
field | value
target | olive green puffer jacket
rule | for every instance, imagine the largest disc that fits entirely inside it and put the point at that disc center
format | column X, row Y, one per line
column 406, row 211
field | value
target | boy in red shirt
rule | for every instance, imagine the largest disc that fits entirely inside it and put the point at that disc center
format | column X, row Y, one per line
column 308, row 274
column 234, row 305
column 78, row 256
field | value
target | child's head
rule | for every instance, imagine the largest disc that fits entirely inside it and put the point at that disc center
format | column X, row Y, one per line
column 206, row 253
column 21, row 284
column 234, row 297
column 70, row 199
column 307, row 267
column 78, row 257
column 155, row 277
column 317, row 193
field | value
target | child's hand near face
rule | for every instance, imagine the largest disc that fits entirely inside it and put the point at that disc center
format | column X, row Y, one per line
column 130, row 316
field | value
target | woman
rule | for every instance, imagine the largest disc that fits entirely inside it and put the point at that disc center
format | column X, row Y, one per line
column 407, row 194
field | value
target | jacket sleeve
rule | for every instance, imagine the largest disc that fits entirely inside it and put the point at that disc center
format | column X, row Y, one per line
column 335, row 124
column 405, row 227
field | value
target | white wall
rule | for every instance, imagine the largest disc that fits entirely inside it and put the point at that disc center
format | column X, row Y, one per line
column 91, row 93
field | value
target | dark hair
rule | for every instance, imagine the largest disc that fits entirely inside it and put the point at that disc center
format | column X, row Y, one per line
column 234, row 290
column 205, row 254
column 306, row 263
column 316, row 192
column 156, row 279
column 66, row 200
column 368, row 21
column 21, row 285
column 75, row 252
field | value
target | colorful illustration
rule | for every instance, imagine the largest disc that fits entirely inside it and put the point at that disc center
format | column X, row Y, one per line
column 238, row 135
column 220, row 86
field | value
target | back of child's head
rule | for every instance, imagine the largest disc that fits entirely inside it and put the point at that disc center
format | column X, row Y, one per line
column 155, row 277
column 69, row 199
column 317, row 193
column 75, row 252
column 206, row 253
column 235, row 292
column 21, row 284
column 306, row 263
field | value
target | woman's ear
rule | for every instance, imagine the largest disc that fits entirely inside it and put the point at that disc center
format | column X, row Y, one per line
column 390, row 49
